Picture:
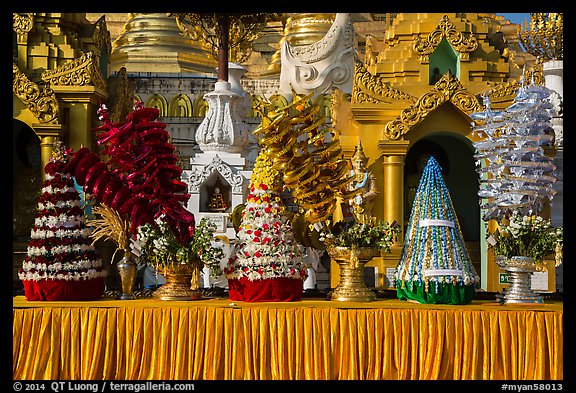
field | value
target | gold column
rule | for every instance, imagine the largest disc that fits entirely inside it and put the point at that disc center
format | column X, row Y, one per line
column 47, row 134
column 393, row 154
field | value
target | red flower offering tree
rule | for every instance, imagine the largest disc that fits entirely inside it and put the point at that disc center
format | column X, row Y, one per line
column 266, row 262
column 61, row 262
column 141, row 179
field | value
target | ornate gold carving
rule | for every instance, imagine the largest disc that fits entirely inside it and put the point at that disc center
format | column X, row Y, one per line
column 370, row 88
column 22, row 25
column 445, row 29
column 40, row 99
column 78, row 72
column 243, row 30
column 507, row 91
column 448, row 88
column 544, row 36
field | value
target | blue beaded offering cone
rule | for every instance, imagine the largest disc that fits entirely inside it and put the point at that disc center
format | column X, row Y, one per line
column 434, row 266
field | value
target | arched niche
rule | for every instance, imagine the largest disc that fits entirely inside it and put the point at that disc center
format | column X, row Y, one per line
column 181, row 106
column 446, row 133
column 208, row 191
column 443, row 59
column 159, row 102
column 200, row 107
column 454, row 155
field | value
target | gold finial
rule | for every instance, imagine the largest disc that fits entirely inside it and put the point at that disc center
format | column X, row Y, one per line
column 543, row 36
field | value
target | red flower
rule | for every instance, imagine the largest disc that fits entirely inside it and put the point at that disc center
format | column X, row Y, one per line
column 258, row 232
column 257, row 254
column 267, row 209
column 256, row 239
column 266, row 240
column 263, row 186
column 265, row 226
column 292, row 271
column 260, row 271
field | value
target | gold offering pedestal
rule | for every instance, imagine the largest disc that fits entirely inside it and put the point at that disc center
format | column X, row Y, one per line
column 182, row 283
column 352, row 287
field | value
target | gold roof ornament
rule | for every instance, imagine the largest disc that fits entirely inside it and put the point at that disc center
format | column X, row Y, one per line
column 543, row 36
column 424, row 47
column 83, row 71
column 38, row 97
column 448, row 88
column 373, row 88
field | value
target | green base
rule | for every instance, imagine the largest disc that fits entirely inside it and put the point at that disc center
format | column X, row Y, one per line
column 446, row 294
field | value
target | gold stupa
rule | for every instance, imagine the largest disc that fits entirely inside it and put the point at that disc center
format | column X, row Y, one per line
column 152, row 42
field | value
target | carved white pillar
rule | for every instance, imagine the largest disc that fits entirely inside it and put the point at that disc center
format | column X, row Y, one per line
column 222, row 130
column 235, row 74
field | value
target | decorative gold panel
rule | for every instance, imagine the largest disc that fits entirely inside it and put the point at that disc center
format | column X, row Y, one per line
column 448, row 88
column 41, row 100
column 508, row 90
column 83, row 71
column 22, row 25
column 445, row 29
column 370, row 88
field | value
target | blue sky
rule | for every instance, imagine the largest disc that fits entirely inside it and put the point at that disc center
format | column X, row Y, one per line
column 516, row 17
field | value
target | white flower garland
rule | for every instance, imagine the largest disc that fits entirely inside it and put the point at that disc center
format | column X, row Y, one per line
column 62, row 204
column 53, row 190
column 59, row 220
column 76, row 276
column 84, row 264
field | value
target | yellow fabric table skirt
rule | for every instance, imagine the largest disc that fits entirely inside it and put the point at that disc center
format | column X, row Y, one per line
column 312, row 339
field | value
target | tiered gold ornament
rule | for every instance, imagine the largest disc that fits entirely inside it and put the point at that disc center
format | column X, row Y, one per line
column 310, row 158
column 543, row 36
column 308, row 154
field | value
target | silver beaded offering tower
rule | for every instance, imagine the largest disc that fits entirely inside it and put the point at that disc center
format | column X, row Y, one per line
column 434, row 266
column 515, row 174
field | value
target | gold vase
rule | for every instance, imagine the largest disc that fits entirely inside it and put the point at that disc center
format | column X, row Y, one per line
column 182, row 283
column 352, row 287
column 127, row 270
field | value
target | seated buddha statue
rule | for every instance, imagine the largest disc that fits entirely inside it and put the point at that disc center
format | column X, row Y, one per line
column 217, row 202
